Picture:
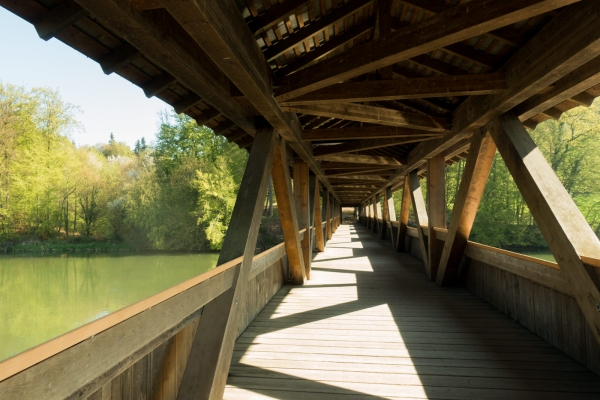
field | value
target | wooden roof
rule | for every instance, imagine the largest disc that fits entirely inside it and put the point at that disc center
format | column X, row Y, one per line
column 375, row 88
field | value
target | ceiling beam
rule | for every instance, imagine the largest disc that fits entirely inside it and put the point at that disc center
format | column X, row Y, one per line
column 220, row 30
column 570, row 86
column 361, row 159
column 365, row 144
column 401, row 89
column 367, row 132
column 567, row 42
column 325, row 48
column 162, row 41
column 273, row 15
column 313, row 28
column 468, row 20
column 374, row 115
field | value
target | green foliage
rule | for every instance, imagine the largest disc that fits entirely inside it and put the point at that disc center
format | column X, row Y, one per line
column 175, row 195
column 571, row 147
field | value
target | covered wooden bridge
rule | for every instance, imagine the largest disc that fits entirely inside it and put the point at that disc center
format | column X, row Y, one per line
column 351, row 100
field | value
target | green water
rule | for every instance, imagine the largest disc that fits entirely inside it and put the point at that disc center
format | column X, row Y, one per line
column 544, row 255
column 43, row 297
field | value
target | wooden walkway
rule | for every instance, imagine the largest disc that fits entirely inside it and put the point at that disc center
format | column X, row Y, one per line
column 369, row 325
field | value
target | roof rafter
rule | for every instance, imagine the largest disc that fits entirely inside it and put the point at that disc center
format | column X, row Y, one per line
column 469, row 20
column 439, row 86
column 374, row 115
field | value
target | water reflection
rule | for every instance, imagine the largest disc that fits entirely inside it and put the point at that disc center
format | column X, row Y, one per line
column 43, row 297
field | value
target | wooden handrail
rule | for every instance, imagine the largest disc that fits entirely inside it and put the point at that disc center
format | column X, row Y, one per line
column 37, row 354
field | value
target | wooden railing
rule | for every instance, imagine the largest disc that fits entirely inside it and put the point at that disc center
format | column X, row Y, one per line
column 81, row 361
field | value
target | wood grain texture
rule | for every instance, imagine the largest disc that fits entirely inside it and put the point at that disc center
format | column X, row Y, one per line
column 301, row 199
column 420, row 211
column 561, row 223
column 436, row 210
column 373, row 326
column 288, row 214
column 475, row 175
column 210, row 356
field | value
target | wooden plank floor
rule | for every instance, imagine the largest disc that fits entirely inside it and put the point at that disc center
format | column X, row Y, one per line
column 369, row 325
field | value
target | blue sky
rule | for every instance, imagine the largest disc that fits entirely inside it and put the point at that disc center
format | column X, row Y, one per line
column 108, row 103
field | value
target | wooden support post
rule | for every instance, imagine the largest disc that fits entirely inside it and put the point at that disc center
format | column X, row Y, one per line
column 328, row 215
column 391, row 214
column 475, row 175
column 318, row 216
column 436, row 199
column 403, row 219
column 566, row 231
column 376, row 213
column 206, row 371
column 370, row 213
column 420, row 210
column 301, row 199
column 312, row 189
column 287, row 214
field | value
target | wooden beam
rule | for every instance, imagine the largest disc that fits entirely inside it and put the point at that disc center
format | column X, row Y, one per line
column 376, row 212
column 325, row 48
column 567, row 233
column 361, row 159
column 318, row 218
column 282, row 184
column 400, row 89
column 475, row 175
column 147, row 4
column 365, row 144
column 385, row 215
column 391, row 214
column 59, row 18
column 420, row 210
column 162, row 42
column 381, row 170
column 205, row 374
column 575, row 31
column 360, row 177
column 468, row 20
column 301, row 198
column 568, row 87
column 220, row 30
column 158, row 84
column 118, row 58
column 436, row 203
column 315, row 27
column 374, row 115
column 367, row 132
column 328, row 215
column 272, row 16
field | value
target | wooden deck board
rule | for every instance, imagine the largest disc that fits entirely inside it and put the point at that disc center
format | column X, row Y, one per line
column 369, row 325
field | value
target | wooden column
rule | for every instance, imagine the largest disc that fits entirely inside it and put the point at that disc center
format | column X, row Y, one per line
column 206, row 371
column 475, row 175
column 318, row 216
column 328, row 215
column 376, row 213
column 391, row 214
column 287, row 214
column 436, row 199
column 418, row 203
column 301, row 198
column 385, row 214
column 403, row 219
column 566, row 231
column 312, row 182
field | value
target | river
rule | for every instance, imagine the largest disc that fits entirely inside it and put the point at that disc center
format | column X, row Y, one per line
column 44, row 297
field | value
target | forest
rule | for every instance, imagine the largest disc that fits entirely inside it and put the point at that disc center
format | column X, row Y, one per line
column 177, row 191
column 571, row 146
